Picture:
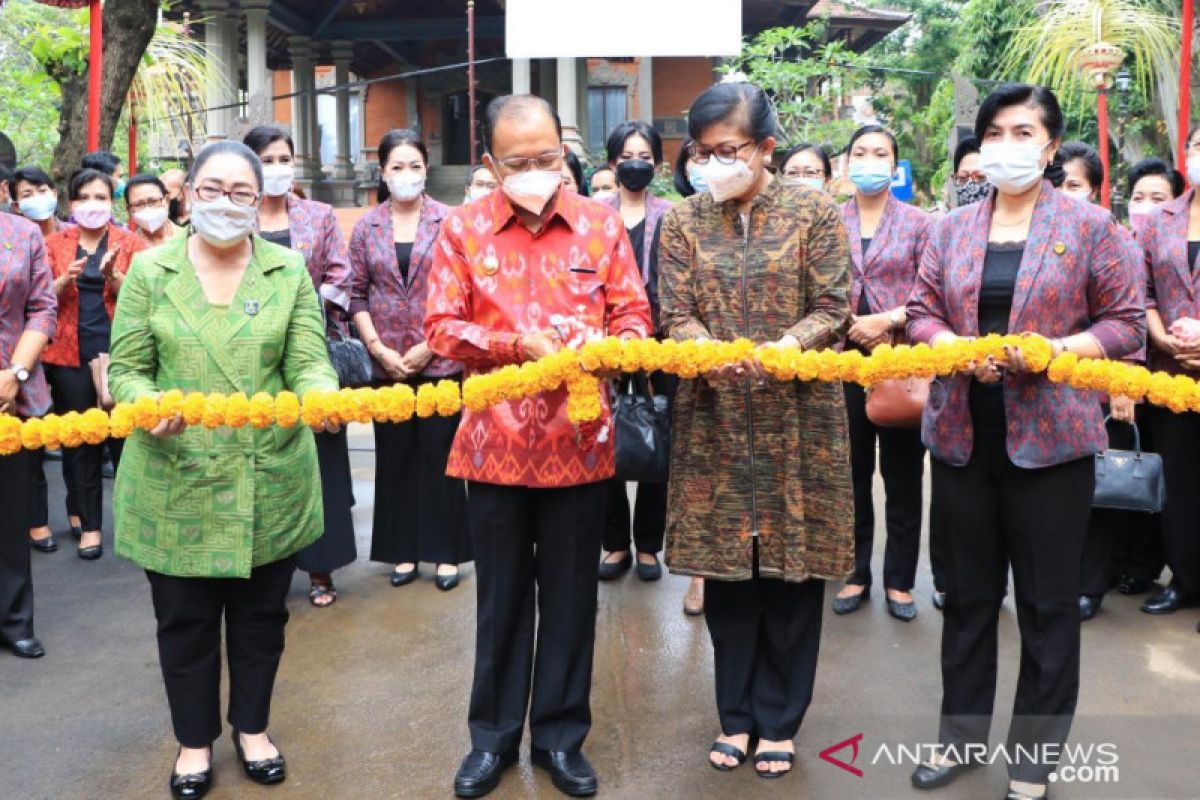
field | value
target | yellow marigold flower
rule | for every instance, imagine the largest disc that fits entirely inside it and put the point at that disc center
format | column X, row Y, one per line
column 10, row 434
column 94, row 426
column 145, row 410
column 1061, row 368
column 287, row 409
column 51, row 431
column 405, row 403
column 261, row 413
column 449, row 402
column 316, row 406
column 426, row 400
column 72, row 432
column 31, row 434
column 194, row 406
column 214, row 411
column 170, row 404
column 121, row 422
column 237, row 410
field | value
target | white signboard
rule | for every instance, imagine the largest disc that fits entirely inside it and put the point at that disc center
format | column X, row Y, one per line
column 622, row 28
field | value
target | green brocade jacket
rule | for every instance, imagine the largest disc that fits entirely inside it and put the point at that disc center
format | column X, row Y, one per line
column 216, row 503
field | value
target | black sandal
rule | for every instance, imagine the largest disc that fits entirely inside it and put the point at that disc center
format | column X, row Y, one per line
column 726, row 749
column 319, row 591
column 766, row 757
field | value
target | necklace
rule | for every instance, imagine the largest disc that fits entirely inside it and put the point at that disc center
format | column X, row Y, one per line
column 1019, row 222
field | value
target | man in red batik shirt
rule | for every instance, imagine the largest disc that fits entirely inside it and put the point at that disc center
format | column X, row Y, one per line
column 518, row 274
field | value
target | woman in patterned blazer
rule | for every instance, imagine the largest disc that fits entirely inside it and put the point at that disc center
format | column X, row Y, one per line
column 1011, row 450
column 420, row 514
column 311, row 229
column 215, row 517
column 886, row 240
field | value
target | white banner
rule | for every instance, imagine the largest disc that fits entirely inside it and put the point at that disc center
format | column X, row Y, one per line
column 622, row 28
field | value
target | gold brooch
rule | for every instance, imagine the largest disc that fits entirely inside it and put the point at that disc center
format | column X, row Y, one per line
column 1060, row 248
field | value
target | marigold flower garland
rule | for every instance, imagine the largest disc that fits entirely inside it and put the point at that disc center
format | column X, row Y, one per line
column 576, row 371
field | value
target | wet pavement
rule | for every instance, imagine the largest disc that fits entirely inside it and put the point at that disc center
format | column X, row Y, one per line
column 372, row 693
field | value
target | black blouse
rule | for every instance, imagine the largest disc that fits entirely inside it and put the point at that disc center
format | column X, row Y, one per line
column 404, row 258
column 95, row 327
column 1000, row 267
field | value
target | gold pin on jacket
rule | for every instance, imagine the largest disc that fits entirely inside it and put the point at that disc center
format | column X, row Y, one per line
column 1060, row 248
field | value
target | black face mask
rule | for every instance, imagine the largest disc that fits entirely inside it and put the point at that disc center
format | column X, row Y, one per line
column 173, row 210
column 635, row 174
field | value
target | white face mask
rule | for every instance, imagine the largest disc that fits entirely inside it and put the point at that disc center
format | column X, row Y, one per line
column 532, row 189
column 150, row 219
column 1141, row 208
column 812, row 183
column 476, row 192
column 727, row 180
column 406, row 186
column 1012, row 167
column 1193, row 170
column 222, row 223
column 40, row 207
column 604, row 195
column 1082, row 195
column 277, row 179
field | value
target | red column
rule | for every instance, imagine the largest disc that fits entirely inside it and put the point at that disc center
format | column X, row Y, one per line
column 1102, row 120
column 1185, row 84
column 95, row 73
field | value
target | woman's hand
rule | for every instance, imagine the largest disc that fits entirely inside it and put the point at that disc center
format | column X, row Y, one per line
column 990, row 371
column 392, row 362
column 169, row 427
column 1014, row 358
column 68, row 277
column 871, row 330
column 325, row 426
column 1166, row 343
column 1122, row 408
column 541, row 344
column 417, row 358
column 9, row 386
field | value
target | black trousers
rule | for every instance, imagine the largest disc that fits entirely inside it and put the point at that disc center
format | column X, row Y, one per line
column 1177, row 437
column 420, row 513
column 16, row 581
column 902, row 463
column 189, row 613
column 534, row 546
column 336, row 548
column 766, row 636
column 937, row 546
column 73, row 390
column 1035, row 520
column 1123, row 542
column 39, row 492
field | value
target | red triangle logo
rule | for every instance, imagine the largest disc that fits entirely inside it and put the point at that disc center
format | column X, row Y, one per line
column 828, row 754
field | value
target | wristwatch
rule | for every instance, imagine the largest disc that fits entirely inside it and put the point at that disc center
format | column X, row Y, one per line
column 896, row 318
column 21, row 373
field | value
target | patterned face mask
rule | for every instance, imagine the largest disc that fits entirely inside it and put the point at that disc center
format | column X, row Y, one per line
column 972, row 192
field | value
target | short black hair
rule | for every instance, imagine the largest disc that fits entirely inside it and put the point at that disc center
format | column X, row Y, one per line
column 263, row 136
column 143, row 179
column 729, row 101
column 1082, row 151
column 1021, row 94
column 35, row 176
column 227, row 147
column 866, row 130
column 475, row 169
column 397, row 137
column 101, row 160
column 679, row 176
column 572, row 162
column 633, row 127
column 5, row 174
column 1156, row 166
column 515, row 105
column 808, row 147
column 966, row 146
column 83, row 177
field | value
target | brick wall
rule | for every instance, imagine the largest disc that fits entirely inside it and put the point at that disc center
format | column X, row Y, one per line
column 386, row 107
column 677, row 81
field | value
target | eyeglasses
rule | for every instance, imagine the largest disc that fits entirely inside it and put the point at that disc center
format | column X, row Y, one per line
column 973, row 177
column 548, row 160
column 239, row 197
column 804, row 173
column 724, row 153
column 149, row 202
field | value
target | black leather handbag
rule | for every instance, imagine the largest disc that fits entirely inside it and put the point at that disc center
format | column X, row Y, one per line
column 349, row 355
column 1130, row 480
column 642, row 432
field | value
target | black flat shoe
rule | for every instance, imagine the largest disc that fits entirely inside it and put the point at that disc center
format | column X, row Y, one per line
column 47, row 545
column 766, row 757
column 90, row 553
column 1013, row 794
column 570, row 772
column 611, row 570
column 726, row 749
column 939, row 600
column 1168, row 601
column 480, row 772
column 446, row 582
column 403, row 578
column 194, row 785
column 77, row 532
column 27, row 648
column 927, row 776
column 1089, row 607
column 268, row 771
column 649, row 572
column 905, row 612
column 848, row 605
column 1128, row 585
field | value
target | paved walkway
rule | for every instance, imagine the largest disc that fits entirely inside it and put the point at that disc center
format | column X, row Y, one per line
column 371, row 698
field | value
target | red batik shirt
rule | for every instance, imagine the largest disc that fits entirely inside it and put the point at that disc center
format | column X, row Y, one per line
column 492, row 281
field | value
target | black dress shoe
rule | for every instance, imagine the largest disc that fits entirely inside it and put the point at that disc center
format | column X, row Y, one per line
column 47, row 545
column 91, row 553
column 193, row 785
column 905, row 612
column 1168, row 601
column 611, row 570
column 939, row 600
column 571, row 773
column 649, row 572
column 446, row 582
column 1130, row 585
column 479, row 773
column 928, row 776
column 77, row 532
column 268, row 771
column 848, row 605
column 1089, row 607
column 403, row 578
column 27, row 648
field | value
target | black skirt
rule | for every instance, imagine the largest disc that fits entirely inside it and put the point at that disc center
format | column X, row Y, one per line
column 336, row 547
column 420, row 514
